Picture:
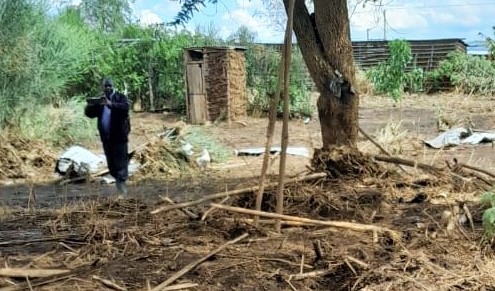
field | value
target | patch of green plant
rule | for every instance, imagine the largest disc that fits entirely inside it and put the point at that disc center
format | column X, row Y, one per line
column 200, row 138
column 468, row 73
column 390, row 77
column 488, row 199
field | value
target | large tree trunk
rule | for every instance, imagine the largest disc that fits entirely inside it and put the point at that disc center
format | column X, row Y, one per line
column 324, row 40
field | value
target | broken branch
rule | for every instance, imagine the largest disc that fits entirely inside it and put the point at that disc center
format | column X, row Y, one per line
column 187, row 212
column 234, row 192
column 194, row 264
column 337, row 224
column 409, row 163
column 180, row 286
column 382, row 149
column 483, row 171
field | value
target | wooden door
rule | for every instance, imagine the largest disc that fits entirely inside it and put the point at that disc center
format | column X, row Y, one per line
column 196, row 94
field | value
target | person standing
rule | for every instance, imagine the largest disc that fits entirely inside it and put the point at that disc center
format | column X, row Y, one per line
column 114, row 128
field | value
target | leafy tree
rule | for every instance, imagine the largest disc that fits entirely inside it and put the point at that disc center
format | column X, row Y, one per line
column 106, row 15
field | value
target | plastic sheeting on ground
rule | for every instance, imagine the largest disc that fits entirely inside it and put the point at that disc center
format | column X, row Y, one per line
column 295, row 151
column 458, row 136
column 77, row 161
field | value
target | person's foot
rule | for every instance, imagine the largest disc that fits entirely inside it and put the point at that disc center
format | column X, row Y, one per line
column 121, row 187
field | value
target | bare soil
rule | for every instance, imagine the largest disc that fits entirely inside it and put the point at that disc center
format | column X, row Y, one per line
column 85, row 229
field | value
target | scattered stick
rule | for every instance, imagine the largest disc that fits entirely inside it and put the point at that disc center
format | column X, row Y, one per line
column 194, row 264
column 346, row 261
column 234, row 192
column 30, row 273
column 269, row 259
column 108, row 283
column 180, row 286
column 267, row 221
column 358, row 262
column 312, row 274
column 23, row 242
column 337, row 224
column 382, row 149
column 211, row 209
column 318, row 250
column 483, row 171
column 184, row 210
column 409, row 163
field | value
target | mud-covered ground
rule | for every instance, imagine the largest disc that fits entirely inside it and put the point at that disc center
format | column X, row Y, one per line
column 83, row 229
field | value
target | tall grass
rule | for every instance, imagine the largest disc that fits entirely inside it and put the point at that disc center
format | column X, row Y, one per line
column 39, row 56
column 59, row 126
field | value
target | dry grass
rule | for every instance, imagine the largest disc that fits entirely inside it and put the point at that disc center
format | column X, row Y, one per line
column 120, row 241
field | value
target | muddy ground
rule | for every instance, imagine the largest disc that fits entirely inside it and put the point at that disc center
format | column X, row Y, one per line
column 92, row 233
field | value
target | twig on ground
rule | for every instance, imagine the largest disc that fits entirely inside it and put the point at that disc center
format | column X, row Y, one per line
column 234, row 192
column 180, row 286
column 194, row 264
column 108, row 283
column 31, row 273
column 483, row 171
column 409, row 163
column 184, row 210
column 382, row 149
column 312, row 274
column 358, row 262
column 22, row 242
column 212, row 208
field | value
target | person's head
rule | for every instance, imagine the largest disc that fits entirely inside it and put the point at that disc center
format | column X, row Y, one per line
column 107, row 86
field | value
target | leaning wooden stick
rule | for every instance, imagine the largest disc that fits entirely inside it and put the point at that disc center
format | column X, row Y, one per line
column 382, row 149
column 233, row 193
column 285, row 125
column 337, row 224
column 272, row 119
column 194, row 264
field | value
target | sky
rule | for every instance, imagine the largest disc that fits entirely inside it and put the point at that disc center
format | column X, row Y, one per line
column 405, row 19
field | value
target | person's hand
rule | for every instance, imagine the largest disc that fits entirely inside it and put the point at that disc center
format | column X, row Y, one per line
column 105, row 101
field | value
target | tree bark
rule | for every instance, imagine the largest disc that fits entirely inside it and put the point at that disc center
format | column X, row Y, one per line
column 324, row 41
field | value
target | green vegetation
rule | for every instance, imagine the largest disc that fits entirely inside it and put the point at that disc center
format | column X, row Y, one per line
column 467, row 74
column 390, row 77
column 488, row 199
column 49, row 61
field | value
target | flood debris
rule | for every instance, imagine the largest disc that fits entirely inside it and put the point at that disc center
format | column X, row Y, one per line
column 460, row 136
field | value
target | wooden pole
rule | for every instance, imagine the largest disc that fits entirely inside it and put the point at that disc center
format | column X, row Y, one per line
column 285, row 126
column 272, row 119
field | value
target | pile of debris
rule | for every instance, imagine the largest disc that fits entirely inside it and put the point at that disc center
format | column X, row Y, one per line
column 22, row 159
column 167, row 154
